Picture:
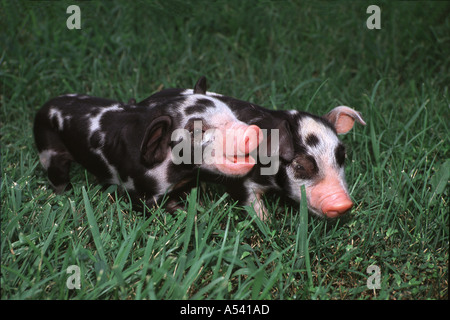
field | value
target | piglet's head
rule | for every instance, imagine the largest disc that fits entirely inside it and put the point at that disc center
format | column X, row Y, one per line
column 318, row 161
column 226, row 143
column 206, row 134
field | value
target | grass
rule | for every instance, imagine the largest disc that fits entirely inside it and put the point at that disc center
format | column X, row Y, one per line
column 285, row 55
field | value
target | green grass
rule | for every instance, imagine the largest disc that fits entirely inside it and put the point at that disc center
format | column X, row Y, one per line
column 284, row 55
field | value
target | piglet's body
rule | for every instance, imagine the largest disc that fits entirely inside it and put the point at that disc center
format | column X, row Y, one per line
column 131, row 144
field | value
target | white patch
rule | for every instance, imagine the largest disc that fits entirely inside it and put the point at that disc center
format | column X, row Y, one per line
column 295, row 185
column 218, row 117
column 45, row 157
column 54, row 112
column 255, row 187
column 159, row 173
column 129, row 184
column 187, row 92
column 60, row 119
column 95, row 126
column 309, row 125
column 208, row 93
column 112, row 170
column 95, row 121
column 328, row 141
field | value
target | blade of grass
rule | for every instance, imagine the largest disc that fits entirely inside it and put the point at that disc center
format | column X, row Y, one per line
column 314, row 95
column 190, row 218
column 303, row 230
column 124, row 251
column 145, row 265
column 93, row 226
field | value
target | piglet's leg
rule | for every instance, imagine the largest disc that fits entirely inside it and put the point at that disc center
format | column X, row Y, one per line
column 256, row 202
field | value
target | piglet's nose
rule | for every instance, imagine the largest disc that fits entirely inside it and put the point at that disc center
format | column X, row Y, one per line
column 337, row 207
column 251, row 138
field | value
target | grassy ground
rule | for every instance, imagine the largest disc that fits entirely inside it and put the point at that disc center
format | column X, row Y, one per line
column 293, row 55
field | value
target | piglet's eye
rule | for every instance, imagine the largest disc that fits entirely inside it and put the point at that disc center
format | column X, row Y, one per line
column 304, row 167
column 298, row 166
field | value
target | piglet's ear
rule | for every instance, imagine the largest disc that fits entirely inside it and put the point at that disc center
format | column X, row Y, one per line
column 200, row 86
column 284, row 147
column 286, row 141
column 343, row 118
column 156, row 142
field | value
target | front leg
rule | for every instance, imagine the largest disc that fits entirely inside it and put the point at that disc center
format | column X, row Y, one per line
column 250, row 193
column 256, row 202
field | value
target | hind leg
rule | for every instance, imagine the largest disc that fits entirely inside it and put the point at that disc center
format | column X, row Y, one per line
column 53, row 153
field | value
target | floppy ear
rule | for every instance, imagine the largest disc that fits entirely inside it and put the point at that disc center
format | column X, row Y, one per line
column 285, row 143
column 200, row 86
column 156, row 142
column 343, row 118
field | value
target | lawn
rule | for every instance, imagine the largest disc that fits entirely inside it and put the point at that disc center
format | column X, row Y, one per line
column 300, row 55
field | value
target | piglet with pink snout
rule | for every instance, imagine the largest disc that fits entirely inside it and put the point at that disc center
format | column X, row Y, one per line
column 301, row 149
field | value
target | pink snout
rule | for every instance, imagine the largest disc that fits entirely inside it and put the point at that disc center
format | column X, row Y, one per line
column 329, row 198
column 336, row 205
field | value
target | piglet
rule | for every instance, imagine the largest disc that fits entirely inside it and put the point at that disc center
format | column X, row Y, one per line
column 304, row 150
column 132, row 144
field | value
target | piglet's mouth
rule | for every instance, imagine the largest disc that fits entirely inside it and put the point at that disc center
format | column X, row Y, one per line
column 237, row 160
column 236, row 165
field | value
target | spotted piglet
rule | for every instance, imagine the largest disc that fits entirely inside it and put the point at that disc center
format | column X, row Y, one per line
column 132, row 144
column 305, row 151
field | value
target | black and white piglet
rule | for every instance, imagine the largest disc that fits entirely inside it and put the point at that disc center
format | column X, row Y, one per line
column 131, row 144
column 298, row 149
column 309, row 153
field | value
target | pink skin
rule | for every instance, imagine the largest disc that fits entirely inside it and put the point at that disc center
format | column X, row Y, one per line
column 238, row 142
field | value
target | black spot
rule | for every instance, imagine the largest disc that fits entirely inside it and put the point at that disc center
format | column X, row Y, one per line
column 200, row 106
column 340, row 155
column 312, row 140
column 195, row 109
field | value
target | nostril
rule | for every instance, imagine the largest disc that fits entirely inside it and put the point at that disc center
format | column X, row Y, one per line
column 338, row 208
